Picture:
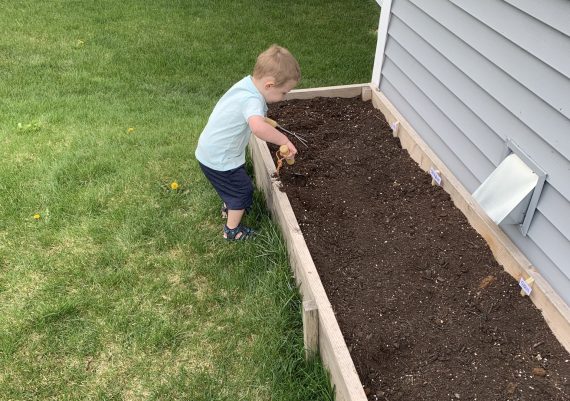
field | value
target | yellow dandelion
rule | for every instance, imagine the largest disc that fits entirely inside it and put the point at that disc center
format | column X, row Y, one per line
column 174, row 186
column 130, row 130
column 37, row 216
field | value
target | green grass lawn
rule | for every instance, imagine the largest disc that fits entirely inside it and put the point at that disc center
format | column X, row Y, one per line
column 123, row 288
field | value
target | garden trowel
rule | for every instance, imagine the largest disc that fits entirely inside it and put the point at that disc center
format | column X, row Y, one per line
column 274, row 124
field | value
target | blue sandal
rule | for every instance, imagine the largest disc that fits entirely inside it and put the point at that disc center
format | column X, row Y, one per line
column 233, row 234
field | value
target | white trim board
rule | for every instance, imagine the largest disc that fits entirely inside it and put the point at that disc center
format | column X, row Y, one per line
column 385, row 14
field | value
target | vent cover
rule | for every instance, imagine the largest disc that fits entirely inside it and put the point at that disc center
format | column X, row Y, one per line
column 511, row 192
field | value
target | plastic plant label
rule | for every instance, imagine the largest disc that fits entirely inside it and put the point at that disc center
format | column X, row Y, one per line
column 525, row 287
column 395, row 127
column 435, row 175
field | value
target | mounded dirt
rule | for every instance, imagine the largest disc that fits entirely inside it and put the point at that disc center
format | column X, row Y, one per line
column 426, row 311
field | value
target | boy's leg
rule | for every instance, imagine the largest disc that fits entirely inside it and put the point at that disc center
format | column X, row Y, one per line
column 236, row 190
column 234, row 230
column 234, row 217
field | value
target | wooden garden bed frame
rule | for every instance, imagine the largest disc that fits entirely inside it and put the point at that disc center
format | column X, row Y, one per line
column 321, row 330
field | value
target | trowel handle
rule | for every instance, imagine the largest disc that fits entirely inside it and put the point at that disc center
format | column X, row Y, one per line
column 271, row 122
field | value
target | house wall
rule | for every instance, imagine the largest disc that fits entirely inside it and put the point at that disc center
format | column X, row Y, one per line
column 468, row 75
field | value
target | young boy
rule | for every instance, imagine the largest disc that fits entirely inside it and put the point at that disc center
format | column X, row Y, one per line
column 240, row 112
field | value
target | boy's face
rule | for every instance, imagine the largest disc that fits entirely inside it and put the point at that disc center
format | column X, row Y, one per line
column 274, row 93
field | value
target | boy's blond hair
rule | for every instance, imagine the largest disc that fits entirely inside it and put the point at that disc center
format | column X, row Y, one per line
column 278, row 63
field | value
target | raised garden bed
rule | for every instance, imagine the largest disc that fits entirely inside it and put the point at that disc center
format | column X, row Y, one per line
column 425, row 309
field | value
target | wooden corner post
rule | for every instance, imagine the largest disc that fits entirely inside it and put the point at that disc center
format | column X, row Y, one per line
column 310, row 328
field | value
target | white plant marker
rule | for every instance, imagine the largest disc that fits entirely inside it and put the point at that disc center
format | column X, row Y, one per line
column 526, row 285
column 435, row 177
column 395, row 128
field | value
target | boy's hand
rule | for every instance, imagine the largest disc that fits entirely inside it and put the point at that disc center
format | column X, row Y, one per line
column 292, row 150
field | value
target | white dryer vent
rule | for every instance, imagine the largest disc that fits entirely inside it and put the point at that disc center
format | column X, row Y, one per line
column 510, row 193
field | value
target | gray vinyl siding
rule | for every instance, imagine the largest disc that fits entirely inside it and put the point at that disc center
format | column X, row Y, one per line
column 468, row 75
column 556, row 15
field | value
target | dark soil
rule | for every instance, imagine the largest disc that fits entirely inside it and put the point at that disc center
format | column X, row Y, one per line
column 426, row 311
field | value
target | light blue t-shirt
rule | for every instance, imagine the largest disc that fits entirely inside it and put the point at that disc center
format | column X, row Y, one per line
column 223, row 141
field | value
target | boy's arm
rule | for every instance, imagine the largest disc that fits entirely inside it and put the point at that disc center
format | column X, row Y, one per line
column 264, row 131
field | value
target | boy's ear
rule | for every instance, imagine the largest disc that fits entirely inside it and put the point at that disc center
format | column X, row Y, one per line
column 269, row 83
